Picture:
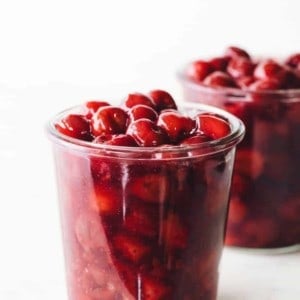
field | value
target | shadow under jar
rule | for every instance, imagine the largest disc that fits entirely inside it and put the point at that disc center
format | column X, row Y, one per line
column 265, row 196
column 144, row 223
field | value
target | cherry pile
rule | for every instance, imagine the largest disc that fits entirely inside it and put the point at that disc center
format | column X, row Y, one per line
column 237, row 69
column 149, row 228
column 142, row 121
column 265, row 94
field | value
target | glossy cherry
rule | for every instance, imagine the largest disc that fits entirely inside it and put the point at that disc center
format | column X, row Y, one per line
column 199, row 70
column 212, row 125
column 219, row 79
column 146, row 133
column 177, row 126
column 142, row 111
column 234, row 52
column 75, row 126
column 93, row 105
column 240, row 67
column 138, row 98
column 109, row 120
column 162, row 100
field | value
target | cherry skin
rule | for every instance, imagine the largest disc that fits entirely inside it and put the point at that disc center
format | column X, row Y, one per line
column 270, row 69
column 219, row 63
column 294, row 61
column 93, row 106
column 75, row 126
column 146, row 133
column 138, row 98
column 177, row 126
column 265, row 84
column 234, row 52
column 219, row 79
column 141, row 111
column 109, row 120
column 245, row 81
column 162, row 100
column 212, row 126
column 198, row 138
column 116, row 140
column 240, row 66
column 199, row 69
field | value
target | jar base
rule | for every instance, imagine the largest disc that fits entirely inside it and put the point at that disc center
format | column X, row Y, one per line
column 280, row 250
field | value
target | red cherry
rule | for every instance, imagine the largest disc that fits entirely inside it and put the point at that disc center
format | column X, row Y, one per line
column 219, row 63
column 213, row 126
column 175, row 232
column 234, row 52
column 176, row 125
column 93, row 106
column 116, row 140
column 109, row 120
column 138, row 98
column 122, row 140
column 199, row 69
column 162, row 100
column 131, row 247
column 270, row 69
column 75, row 126
column 240, row 66
column 294, row 61
column 245, row 81
column 265, row 84
column 198, row 138
column 146, row 133
column 219, row 79
column 154, row 289
column 141, row 111
column 151, row 188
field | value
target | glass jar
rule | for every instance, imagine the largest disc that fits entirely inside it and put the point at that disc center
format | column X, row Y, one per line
column 265, row 197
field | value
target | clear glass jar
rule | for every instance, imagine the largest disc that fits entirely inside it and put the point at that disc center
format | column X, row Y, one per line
column 265, row 197
column 144, row 223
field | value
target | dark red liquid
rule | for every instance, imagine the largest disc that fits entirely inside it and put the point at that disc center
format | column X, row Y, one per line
column 144, row 228
column 265, row 203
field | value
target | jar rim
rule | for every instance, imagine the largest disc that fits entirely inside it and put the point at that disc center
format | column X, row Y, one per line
column 210, row 147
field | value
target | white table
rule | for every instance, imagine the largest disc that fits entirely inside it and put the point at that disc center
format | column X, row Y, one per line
column 31, row 263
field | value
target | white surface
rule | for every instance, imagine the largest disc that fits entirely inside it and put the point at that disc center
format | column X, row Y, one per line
column 57, row 53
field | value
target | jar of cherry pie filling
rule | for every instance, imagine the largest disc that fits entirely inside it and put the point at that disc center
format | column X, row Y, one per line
column 264, row 209
column 143, row 222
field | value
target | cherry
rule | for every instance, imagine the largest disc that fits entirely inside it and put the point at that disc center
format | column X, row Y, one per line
column 146, row 133
column 138, row 98
column 265, row 84
column 213, row 126
column 245, row 81
column 199, row 69
column 162, row 100
column 240, row 66
column 141, row 111
column 219, row 63
column 219, row 79
column 294, row 61
column 116, row 140
column 75, row 126
column 198, row 138
column 122, row 140
column 234, row 52
column 109, row 120
column 93, row 106
column 177, row 126
column 270, row 69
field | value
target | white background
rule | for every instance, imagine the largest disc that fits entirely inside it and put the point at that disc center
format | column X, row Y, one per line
column 54, row 54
